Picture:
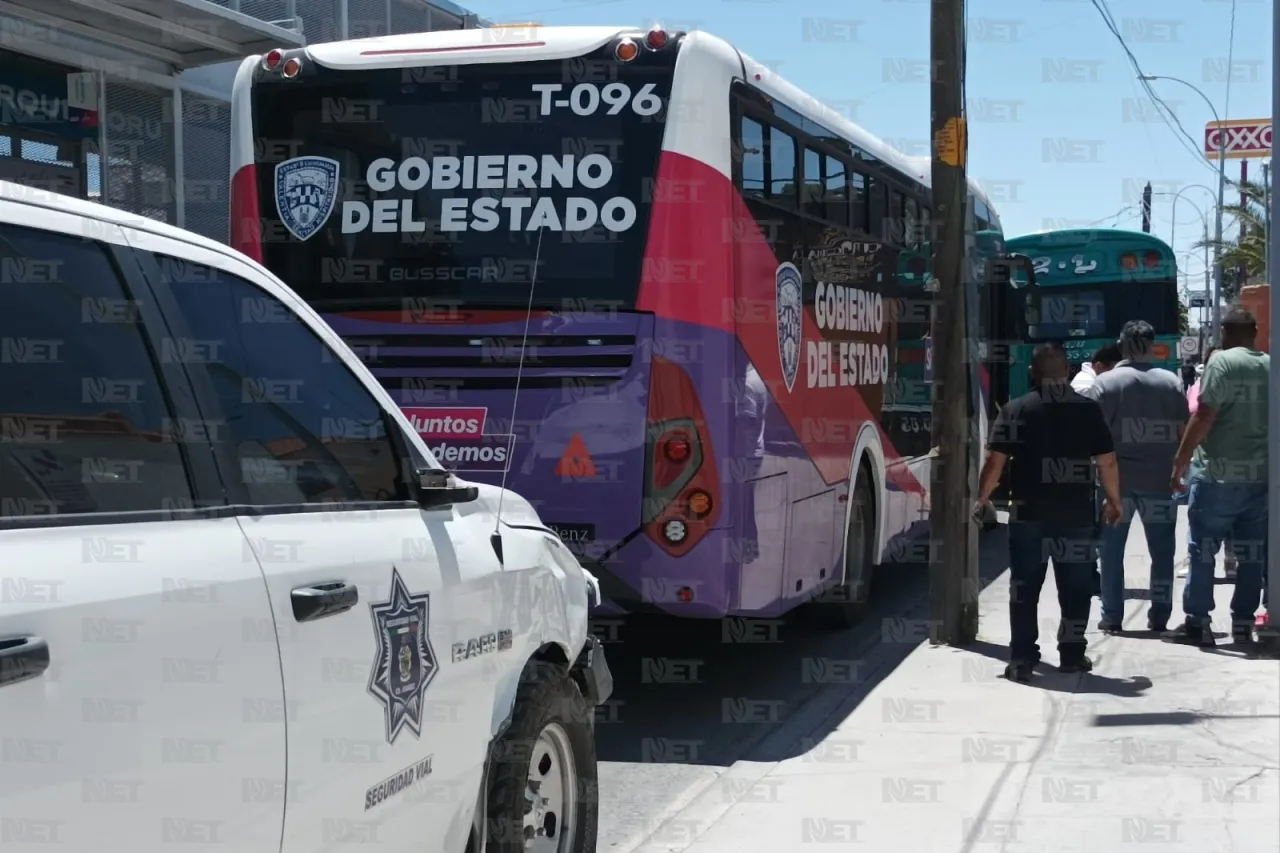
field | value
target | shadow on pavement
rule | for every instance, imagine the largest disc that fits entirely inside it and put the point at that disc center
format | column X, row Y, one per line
column 1047, row 677
column 711, row 692
column 1172, row 718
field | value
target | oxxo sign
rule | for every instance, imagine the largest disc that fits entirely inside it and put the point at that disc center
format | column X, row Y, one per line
column 1242, row 139
column 487, row 212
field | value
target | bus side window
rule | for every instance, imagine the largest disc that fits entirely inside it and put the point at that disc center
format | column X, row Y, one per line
column 836, row 176
column 982, row 215
column 877, row 209
column 812, row 196
column 858, row 201
column 782, row 168
column 911, row 224
column 751, row 149
column 895, row 233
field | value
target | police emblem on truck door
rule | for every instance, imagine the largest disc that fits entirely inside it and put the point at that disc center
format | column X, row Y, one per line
column 790, row 321
column 306, row 190
column 405, row 664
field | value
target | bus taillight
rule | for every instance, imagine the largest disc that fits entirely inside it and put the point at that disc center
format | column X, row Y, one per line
column 682, row 489
column 1151, row 260
column 1128, row 261
column 676, row 447
column 272, row 60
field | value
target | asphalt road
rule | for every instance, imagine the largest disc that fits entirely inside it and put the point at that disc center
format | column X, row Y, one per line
column 693, row 698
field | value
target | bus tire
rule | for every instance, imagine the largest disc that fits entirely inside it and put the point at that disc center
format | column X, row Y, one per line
column 548, row 750
column 843, row 606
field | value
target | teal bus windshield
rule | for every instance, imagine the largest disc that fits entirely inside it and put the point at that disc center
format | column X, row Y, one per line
column 1092, row 281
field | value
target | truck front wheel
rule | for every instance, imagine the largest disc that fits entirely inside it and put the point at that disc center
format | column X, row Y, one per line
column 543, row 779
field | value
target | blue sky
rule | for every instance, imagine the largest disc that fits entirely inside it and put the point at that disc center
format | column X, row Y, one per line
column 1038, row 69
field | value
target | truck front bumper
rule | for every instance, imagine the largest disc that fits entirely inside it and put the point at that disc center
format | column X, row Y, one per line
column 591, row 672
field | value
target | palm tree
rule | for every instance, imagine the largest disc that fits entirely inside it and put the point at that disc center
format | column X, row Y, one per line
column 1249, row 247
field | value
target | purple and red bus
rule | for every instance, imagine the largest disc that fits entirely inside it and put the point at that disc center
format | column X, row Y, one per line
column 635, row 276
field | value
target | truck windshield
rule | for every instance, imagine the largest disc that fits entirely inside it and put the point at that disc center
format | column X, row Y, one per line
column 455, row 184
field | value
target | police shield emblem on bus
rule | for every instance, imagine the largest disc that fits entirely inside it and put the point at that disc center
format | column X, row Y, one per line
column 790, row 323
column 306, row 190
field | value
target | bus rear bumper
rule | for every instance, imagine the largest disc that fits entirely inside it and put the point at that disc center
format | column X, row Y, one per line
column 640, row 578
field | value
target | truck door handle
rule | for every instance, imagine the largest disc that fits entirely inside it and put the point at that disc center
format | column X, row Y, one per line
column 323, row 599
column 22, row 658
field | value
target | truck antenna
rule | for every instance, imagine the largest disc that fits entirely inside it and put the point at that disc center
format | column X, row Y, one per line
column 496, row 539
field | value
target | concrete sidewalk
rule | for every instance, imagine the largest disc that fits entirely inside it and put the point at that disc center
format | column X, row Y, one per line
column 1162, row 743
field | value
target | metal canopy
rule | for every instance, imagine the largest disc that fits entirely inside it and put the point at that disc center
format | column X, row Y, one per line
column 181, row 33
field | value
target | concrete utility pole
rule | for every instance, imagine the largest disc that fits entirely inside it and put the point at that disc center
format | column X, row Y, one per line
column 1273, row 399
column 953, row 567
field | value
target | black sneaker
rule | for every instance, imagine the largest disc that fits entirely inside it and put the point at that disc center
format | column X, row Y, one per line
column 1191, row 635
column 1158, row 626
column 1110, row 627
column 1242, row 633
column 1019, row 672
column 1080, row 664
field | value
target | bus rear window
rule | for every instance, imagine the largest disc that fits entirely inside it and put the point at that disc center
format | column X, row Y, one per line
column 460, row 184
column 1102, row 311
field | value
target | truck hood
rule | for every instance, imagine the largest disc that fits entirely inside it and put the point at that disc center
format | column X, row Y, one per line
column 518, row 512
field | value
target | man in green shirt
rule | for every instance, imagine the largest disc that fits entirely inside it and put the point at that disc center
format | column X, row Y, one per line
column 1225, row 445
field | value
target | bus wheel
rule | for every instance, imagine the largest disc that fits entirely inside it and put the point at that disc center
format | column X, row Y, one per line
column 842, row 606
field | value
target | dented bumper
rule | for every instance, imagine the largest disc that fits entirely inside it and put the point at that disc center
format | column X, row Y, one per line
column 591, row 672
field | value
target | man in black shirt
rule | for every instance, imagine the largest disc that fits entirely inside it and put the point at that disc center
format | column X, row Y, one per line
column 1050, row 438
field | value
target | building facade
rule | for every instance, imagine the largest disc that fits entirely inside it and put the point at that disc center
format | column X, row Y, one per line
column 128, row 102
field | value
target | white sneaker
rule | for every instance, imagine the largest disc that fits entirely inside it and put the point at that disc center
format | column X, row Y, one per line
column 1184, row 568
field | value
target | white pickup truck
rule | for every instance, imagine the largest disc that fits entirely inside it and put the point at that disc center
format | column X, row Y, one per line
column 240, row 604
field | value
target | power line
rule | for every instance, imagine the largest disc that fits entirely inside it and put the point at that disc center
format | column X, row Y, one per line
column 1176, row 124
column 1184, row 138
column 1114, row 218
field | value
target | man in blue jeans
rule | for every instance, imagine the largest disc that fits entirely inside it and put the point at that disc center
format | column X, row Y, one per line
column 1225, row 446
column 1050, row 439
column 1146, row 410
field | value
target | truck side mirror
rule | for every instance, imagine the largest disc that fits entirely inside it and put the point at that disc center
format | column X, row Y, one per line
column 438, row 489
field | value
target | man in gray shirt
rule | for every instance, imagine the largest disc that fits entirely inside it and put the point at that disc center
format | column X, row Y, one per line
column 1147, row 411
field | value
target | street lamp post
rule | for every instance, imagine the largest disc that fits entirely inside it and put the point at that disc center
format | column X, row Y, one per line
column 1222, row 183
column 1173, row 233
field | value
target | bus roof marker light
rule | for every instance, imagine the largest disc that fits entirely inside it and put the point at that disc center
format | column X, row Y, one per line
column 272, row 60
column 656, row 39
column 291, row 67
column 626, row 50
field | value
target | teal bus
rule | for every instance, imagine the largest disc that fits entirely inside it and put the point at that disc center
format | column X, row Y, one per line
column 1088, row 283
column 994, row 318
